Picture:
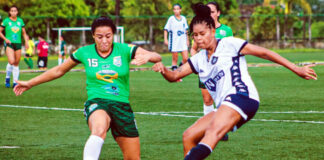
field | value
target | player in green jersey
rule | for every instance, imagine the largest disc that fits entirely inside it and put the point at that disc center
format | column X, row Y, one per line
column 63, row 51
column 14, row 26
column 107, row 70
column 221, row 31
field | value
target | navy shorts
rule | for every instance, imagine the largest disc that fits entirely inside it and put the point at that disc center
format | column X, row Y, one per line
column 246, row 106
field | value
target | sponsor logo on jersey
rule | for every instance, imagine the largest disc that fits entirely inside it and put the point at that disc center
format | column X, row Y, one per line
column 107, row 75
column 10, row 23
column 211, row 82
column 15, row 29
column 112, row 88
column 179, row 33
column 117, row 61
column 18, row 23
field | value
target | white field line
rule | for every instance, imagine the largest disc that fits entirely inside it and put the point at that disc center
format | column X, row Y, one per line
column 179, row 114
column 9, row 147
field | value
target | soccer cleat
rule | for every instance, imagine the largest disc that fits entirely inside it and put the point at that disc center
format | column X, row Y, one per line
column 225, row 138
column 13, row 85
column 7, row 82
column 179, row 80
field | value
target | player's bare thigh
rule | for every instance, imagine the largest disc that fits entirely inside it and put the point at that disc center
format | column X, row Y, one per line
column 99, row 123
column 130, row 147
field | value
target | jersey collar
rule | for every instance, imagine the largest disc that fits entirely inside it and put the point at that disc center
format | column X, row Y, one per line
column 108, row 54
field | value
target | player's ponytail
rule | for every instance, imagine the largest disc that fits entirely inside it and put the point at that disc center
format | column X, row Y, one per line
column 202, row 15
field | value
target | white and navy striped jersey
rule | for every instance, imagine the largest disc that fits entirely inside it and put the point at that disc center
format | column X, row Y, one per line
column 177, row 30
column 225, row 72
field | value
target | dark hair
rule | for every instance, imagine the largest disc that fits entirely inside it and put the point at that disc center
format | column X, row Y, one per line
column 215, row 4
column 177, row 4
column 103, row 21
column 10, row 9
column 202, row 15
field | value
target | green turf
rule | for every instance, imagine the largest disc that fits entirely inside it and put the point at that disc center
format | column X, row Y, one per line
column 49, row 134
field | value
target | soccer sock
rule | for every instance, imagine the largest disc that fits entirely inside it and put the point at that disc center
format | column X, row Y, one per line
column 201, row 151
column 26, row 61
column 9, row 70
column 15, row 73
column 30, row 60
column 59, row 61
column 92, row 148
column 208, row 109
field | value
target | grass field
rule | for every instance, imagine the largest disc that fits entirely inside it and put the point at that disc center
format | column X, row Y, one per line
column 283, row 128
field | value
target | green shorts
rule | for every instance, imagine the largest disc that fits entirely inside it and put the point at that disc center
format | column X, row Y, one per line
column 14, row 46
column 122, row 117
column 201, row 84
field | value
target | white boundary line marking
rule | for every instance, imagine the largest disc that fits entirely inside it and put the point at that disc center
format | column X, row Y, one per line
column 178, row 114
column 9, row 147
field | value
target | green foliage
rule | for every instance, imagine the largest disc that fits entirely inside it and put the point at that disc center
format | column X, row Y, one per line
column 317, row 29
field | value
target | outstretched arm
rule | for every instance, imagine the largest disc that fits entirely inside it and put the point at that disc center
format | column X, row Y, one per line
column 173, row 76
column 143, row 56
column 49, row 75
column 305, row 72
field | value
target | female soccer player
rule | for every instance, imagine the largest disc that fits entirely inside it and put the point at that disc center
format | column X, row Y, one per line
column 178, row 41
column 14, row 26
column 222, row 68
column 222, row 31
column 107, row 70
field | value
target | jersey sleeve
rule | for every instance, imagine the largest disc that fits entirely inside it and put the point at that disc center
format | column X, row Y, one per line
column 193, row 63
column 186, row 23
column 235, row 45
column 229, row 32
column 22, row 23
column 77, row 56
column 128, row 50
column 4, row 23
column 167, row 26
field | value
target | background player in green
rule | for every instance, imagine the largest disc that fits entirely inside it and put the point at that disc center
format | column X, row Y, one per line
column 221, row 31
column 107, row 70
column 62, row 51
column 14, row 26
column 29, row 53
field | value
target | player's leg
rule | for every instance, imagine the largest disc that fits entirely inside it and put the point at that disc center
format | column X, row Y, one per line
column 11, row 60
column 184, row 56
column 15, row 71
column 174, row 60
column 223, row 121
column 99, row 123
column 195, row 132
column 60, row 58
column 130, row 147
column 208, row 101
column 45, row 62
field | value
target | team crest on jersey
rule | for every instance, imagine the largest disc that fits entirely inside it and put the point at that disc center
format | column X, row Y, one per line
column 9, row 23
column 222, row 32
column 18, row 23
column 117, row 61
column 214, row 60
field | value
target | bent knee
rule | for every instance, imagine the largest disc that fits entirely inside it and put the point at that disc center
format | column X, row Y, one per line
column 187, row 135
column 101, row 132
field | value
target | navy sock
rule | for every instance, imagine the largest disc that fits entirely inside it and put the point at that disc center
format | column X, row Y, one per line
column 174, row 67
column 201, row 151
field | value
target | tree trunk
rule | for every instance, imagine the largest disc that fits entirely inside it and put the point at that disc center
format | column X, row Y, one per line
column 304, row 31
column 47, row 30
column 83, row 37
column 285, row 32
column 309, row 31
column 117, row 14
column 151, row 33
column 247, row 28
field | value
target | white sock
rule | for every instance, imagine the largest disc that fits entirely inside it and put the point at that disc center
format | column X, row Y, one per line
column 59, row 61
column 8, row 70
column 208, row 109
column 92, row 148
column 15, row 73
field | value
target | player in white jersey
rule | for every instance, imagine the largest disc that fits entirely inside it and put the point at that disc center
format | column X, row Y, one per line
column 222, row 68
column 178, row 41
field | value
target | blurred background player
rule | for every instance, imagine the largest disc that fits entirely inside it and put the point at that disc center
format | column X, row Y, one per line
column 42, row 50
column 62, row 52
column 29, row 54
column 107, row 69
column 222, row 31
column 14, row 27
column 177, row 41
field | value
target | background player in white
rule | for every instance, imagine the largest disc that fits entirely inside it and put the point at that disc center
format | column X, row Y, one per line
column 222, row 67
column 177, row 41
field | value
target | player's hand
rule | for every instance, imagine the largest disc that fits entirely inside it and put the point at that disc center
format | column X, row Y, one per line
column 159, row 67
column 21, row 87
column 140, row 59
column 307, row 72
column 8, row 41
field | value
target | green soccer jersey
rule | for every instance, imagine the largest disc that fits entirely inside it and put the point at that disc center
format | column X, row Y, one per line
column 63, row 43
column 223, row 31
column 13, row 29
column 107, row 77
